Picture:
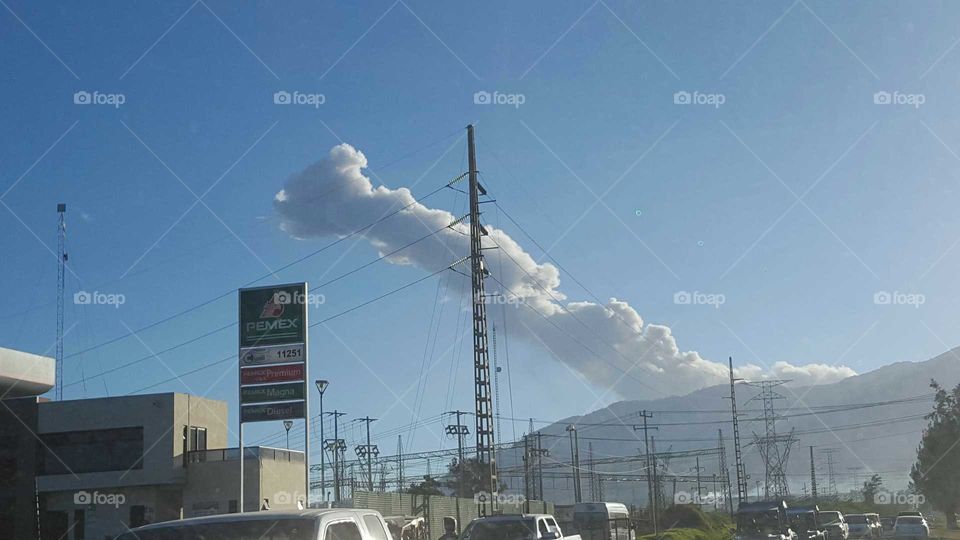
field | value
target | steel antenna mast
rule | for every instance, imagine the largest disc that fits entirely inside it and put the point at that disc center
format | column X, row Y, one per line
column 61, row 267
column 486, row 448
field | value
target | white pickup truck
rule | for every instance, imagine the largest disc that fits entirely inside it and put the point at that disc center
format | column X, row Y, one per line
column 319, row 524
column 515, row 527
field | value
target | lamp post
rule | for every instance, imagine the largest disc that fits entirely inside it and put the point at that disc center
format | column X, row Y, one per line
column 287, row 424
column 322, row 387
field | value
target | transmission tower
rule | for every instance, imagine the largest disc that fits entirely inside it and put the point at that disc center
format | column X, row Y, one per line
column 738, row 456
column 775, row 449
column 486, row 453
column 831, row 476
column 61, row 267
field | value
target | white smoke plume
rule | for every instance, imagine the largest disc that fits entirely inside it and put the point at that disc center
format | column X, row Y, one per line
column 608, row 344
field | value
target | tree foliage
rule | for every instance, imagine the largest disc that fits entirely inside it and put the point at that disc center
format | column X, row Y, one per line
column 469, row 478
column 870, row 489
column 936, row 473
column 429, row 486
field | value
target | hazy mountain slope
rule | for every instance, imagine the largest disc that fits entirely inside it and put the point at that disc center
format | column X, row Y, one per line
column 879, row 438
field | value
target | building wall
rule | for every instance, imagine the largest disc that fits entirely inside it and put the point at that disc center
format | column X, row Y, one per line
column 162, row 417
column 274, row 475
column 109, row 501
column 18, row 452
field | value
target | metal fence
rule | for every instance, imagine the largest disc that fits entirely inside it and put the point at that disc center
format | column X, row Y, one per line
column 433, row 508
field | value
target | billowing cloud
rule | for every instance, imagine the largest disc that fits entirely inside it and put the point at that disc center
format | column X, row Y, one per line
column 608, row 344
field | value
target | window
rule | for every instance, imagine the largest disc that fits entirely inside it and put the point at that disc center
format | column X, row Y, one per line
column 345, row 530
column 373, row 525
column 543, row 526
column 118, row 449
column 79, row 525
column 138, row 515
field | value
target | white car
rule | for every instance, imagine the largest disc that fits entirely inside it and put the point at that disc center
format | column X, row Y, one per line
column 834, row 525
column 911, row 527
column 515, row 527
column 315, row 524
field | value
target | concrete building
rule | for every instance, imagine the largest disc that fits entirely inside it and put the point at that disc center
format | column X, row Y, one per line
column 88, row 469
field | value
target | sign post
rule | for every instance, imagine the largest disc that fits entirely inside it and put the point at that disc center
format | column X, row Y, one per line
column 273, row 366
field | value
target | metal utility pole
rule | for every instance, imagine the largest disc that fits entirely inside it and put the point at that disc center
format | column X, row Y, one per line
column 337, row 446
column 813, row 477
column 575, row 462
column 724, row 473
column 61, row 267
column 651, row 473
column 699, row 492
column 322, row 385
column 775, row 449
column 738, row 456
column 591, row 473
column 486, row 447
column 368, row 450
column 541, row 451
column 400, row 464
column 458, row 430
column 527, row 458
column 287, row 424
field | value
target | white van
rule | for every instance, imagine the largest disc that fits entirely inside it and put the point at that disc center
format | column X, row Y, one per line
column 314, row 524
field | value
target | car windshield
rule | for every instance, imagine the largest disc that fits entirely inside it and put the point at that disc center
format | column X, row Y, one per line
column 909, row 520
column 856, row 519
column 802, row 521
column 758, row 523
column 501, row 530
column 265, row 529
column 829, row 517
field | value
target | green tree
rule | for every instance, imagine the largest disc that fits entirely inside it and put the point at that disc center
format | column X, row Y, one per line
column 870, row 489
column 429, row 486
column 936, row 474
column 469, row 478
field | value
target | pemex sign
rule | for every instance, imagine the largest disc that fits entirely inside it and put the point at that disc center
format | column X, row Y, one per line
column 273, row 352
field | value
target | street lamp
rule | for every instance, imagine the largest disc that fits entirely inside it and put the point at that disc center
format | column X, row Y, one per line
column 287, row 424
column 322, row 387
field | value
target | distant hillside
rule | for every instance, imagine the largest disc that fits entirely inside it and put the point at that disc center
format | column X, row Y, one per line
column 852, row 416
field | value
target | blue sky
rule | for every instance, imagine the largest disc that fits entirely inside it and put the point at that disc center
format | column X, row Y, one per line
column 711, row 206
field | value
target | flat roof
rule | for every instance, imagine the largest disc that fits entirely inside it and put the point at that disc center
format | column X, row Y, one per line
column 24, row 374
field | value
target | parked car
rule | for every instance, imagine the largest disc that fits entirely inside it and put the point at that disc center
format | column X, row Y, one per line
column 915, row 527
column 764, row 520
column 519, row 526
column 877, row 526
column 834, row 525
column 887, row 523
column 314, row 524
column 805, row 522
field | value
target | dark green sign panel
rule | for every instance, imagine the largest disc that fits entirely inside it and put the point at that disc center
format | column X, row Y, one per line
column 276, row 411
column 271, row 392
column 273, row 315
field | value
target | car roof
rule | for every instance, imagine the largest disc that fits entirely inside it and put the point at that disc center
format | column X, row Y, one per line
column 311, row 513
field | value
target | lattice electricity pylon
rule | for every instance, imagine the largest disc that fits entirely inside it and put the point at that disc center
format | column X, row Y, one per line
column 775, row 449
